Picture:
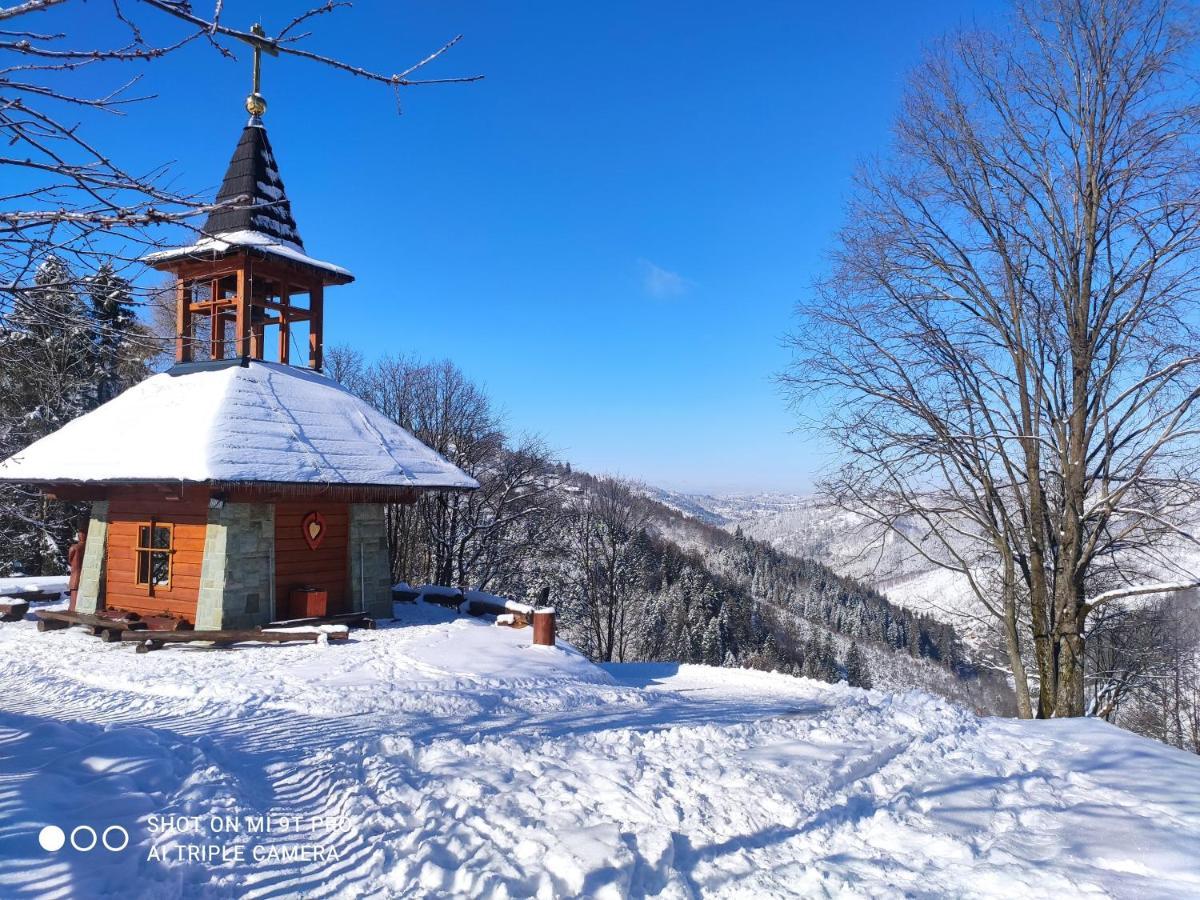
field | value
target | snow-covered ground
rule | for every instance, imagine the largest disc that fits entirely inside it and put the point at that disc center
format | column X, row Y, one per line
column 443, row 755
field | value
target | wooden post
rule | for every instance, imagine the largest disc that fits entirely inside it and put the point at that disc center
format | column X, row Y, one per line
column 214, row 321
column 316, row 319
column 241, row 327
column 257, row 339
column 75, row 565
column 543, row 626
column 218, row 342
column 183, row 324
column 285, row 294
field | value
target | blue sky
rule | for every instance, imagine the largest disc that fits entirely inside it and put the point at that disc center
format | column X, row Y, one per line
column 609, row 232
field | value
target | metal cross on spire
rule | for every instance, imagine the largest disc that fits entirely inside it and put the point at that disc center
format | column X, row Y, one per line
column 256, row 103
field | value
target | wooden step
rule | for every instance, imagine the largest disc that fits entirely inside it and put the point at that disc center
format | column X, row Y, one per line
column 348, row 619
column 53, row 619
column 224, row 638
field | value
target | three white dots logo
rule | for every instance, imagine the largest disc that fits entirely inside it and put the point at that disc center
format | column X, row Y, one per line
column 84, row 838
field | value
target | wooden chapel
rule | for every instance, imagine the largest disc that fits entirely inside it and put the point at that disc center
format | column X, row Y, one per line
column 242, row 486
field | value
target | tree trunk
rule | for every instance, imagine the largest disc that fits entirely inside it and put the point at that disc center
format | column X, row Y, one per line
column 1012, row 642
column 1039, row 592
column 1069, row 700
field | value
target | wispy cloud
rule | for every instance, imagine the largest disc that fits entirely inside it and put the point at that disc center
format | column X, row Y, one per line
column 659, row 282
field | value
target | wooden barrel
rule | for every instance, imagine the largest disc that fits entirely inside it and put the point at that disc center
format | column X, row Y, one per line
column 543, row 627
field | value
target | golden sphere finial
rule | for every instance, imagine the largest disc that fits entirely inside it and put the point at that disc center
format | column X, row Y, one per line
column 256, row 104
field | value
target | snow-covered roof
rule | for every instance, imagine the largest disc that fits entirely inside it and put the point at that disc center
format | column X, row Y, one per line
column 263, row 243
column 229, row 422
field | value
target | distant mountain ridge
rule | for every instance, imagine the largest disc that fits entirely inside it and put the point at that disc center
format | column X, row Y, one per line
column 727, row 509
column 798, row 524
column 804, row 526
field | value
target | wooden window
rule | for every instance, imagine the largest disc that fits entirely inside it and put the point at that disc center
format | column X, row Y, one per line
column 154, row 550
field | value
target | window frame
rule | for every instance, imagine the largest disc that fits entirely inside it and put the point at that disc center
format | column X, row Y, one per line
column 150, row 550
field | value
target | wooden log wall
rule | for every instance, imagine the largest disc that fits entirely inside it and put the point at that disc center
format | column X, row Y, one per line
column 128, row 509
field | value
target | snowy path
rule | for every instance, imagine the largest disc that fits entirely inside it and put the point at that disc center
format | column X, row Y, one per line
column 450, row 757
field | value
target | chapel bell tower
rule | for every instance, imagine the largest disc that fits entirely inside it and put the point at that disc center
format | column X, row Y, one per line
column 247, row 289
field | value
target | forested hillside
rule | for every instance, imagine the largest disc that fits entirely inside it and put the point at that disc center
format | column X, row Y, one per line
column 734, row 600
column 634, row 579
column 1143, row 658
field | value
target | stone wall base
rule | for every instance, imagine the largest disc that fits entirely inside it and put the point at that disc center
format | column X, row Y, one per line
column 91, row 576
column 237, row 578
column 370, row 567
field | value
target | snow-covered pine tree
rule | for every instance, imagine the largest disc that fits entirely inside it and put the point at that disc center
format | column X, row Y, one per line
column 121, row 344
column 811, row 666
column 828, row 661
column 52, row 364
column 713, row 649
column 857, row 672
column 769, row 658
column 45, row 357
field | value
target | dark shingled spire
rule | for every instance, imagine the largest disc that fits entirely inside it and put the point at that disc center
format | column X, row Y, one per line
column 252, row 173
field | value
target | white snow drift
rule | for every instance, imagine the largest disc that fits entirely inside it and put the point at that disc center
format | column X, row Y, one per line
column 443, row 755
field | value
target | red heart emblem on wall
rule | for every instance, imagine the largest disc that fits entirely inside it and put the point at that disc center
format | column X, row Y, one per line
column 313, row 527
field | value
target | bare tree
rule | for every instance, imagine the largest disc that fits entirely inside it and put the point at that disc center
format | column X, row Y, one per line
column 74, row 218
column 347, row 366
column 607, row 525
column 1009, row 334
column 486, row 538
column 507, row 526
column 1147, row 670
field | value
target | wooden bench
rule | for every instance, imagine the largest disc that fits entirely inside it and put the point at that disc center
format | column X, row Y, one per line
column 147, row 642
column 105, row 627
column 113, row 628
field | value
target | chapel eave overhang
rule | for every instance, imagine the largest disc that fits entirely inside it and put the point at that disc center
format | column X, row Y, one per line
column 236, row 491
column 213, row 248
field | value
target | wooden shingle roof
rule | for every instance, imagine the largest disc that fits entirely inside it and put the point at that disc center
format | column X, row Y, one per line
column 259, row 218
column 253, row 173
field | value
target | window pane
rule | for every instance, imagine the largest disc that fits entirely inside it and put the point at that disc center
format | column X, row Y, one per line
column 144, row 536
column 162, row 537
column 143, row 573
column 160, row 567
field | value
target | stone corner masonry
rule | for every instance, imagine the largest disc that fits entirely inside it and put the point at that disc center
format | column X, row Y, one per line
column 369, row 565
column 91, row 574
column 237, row 576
